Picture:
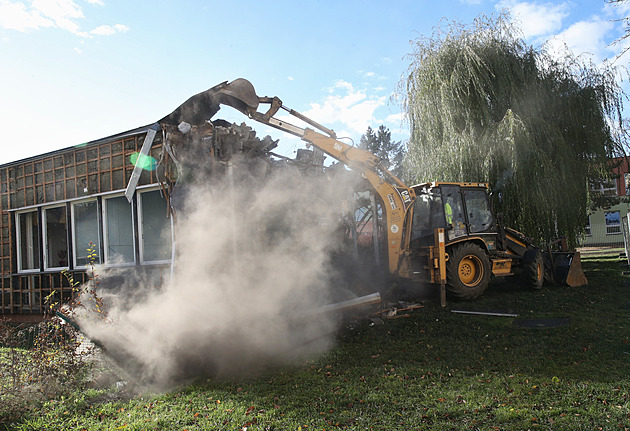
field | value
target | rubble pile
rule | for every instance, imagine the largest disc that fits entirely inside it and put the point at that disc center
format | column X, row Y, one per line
column 221, row 151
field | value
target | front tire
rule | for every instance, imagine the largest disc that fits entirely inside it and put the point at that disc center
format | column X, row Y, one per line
column 533, row 269
column 467, row 271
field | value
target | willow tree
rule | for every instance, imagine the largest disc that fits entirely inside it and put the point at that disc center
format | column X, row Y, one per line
column 485, row 107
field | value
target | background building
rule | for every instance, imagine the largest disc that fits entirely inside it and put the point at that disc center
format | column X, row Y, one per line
column 604, row 226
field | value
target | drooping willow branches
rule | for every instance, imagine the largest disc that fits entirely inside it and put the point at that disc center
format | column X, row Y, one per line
column 484, row 106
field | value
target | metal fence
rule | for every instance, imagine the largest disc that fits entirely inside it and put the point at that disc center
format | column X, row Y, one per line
column 605, row 239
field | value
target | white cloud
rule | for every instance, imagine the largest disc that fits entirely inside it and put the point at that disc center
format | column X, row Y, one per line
column 15, row 16
column 617, row 10
column 63, row 12
column 544, row 22
column 536, row 19
column 37, row 14
column 109, row 30
column 395, row 118
column 584, row 37
column 345, row 105
column 617, row 13
column 370, row 75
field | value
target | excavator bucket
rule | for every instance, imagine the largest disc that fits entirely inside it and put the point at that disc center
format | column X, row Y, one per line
column 201, row 107
column 240, row 95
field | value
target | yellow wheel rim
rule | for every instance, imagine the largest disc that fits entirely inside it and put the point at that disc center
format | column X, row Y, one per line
column 539, row 267
column 470, row 270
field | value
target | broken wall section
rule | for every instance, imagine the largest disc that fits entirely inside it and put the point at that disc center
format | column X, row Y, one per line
column 256, row 239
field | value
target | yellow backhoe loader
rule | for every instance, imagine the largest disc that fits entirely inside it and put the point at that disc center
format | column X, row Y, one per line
column 443, row 233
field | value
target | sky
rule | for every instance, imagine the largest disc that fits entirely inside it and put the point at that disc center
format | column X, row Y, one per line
column 73, row 71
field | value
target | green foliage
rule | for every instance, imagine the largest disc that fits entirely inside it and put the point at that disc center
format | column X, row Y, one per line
column 87, row 292
column 432, row 370
column 484, row 106
column 380, row 144
column 50, row 359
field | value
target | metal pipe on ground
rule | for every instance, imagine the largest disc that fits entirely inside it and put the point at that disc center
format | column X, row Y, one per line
column 350, row 304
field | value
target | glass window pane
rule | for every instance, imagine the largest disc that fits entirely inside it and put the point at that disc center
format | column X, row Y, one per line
column 156, row 227
column 119, row 228
column 56, row 238
column 86, row 232
column 427, row 216
column 613, row 222
column 453, row 211
column 478, row 208
column 29, row 241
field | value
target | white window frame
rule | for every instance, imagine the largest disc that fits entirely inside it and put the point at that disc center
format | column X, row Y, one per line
column 19, row 241
column 606, row 187
column 617, row 226
column 588, row 229
column 139, row 194
column 74, row 236
column 106, row 257
column 45, row 238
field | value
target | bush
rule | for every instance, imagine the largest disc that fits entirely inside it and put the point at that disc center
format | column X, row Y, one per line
column 48, row 359
column 37, row 362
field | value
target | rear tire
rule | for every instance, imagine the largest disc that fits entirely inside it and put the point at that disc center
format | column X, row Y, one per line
column 467, row 271
column 533, row 269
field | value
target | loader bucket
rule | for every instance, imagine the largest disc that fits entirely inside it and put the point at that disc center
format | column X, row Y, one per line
column 575, row 275
column 566, row 268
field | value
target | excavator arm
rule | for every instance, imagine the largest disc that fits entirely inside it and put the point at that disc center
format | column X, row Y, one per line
column 396, row 196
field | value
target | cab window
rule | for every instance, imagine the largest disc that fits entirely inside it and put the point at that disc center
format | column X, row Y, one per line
column 428, row 214
column 454, row 211
column 478, row 210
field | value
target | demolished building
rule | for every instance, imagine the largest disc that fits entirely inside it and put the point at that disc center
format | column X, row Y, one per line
column 113, row 201
column 116, row 193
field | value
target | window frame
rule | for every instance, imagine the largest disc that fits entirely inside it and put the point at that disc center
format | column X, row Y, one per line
column 616, row 226
column 74, row 232
column 607, row 187
column 44, row 229
column 106, row 258
column 470, row 197
column 38, row 232
column 143, row 261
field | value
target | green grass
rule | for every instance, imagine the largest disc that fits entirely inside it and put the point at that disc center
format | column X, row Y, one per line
column 435, row 369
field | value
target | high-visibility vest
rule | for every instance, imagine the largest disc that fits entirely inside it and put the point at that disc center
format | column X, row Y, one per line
column 448, row 211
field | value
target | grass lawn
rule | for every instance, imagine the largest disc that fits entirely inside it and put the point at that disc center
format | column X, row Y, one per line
column 432, row 370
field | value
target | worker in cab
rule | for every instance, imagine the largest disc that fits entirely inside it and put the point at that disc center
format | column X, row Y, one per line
column 448, row 212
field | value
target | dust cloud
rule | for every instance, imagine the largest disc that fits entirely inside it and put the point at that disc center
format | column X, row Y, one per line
column 253, row 265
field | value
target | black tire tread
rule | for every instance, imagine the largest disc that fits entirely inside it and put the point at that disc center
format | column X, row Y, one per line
column 453, row 284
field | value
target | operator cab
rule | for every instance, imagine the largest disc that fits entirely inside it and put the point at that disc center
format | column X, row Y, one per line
column 462, row 209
